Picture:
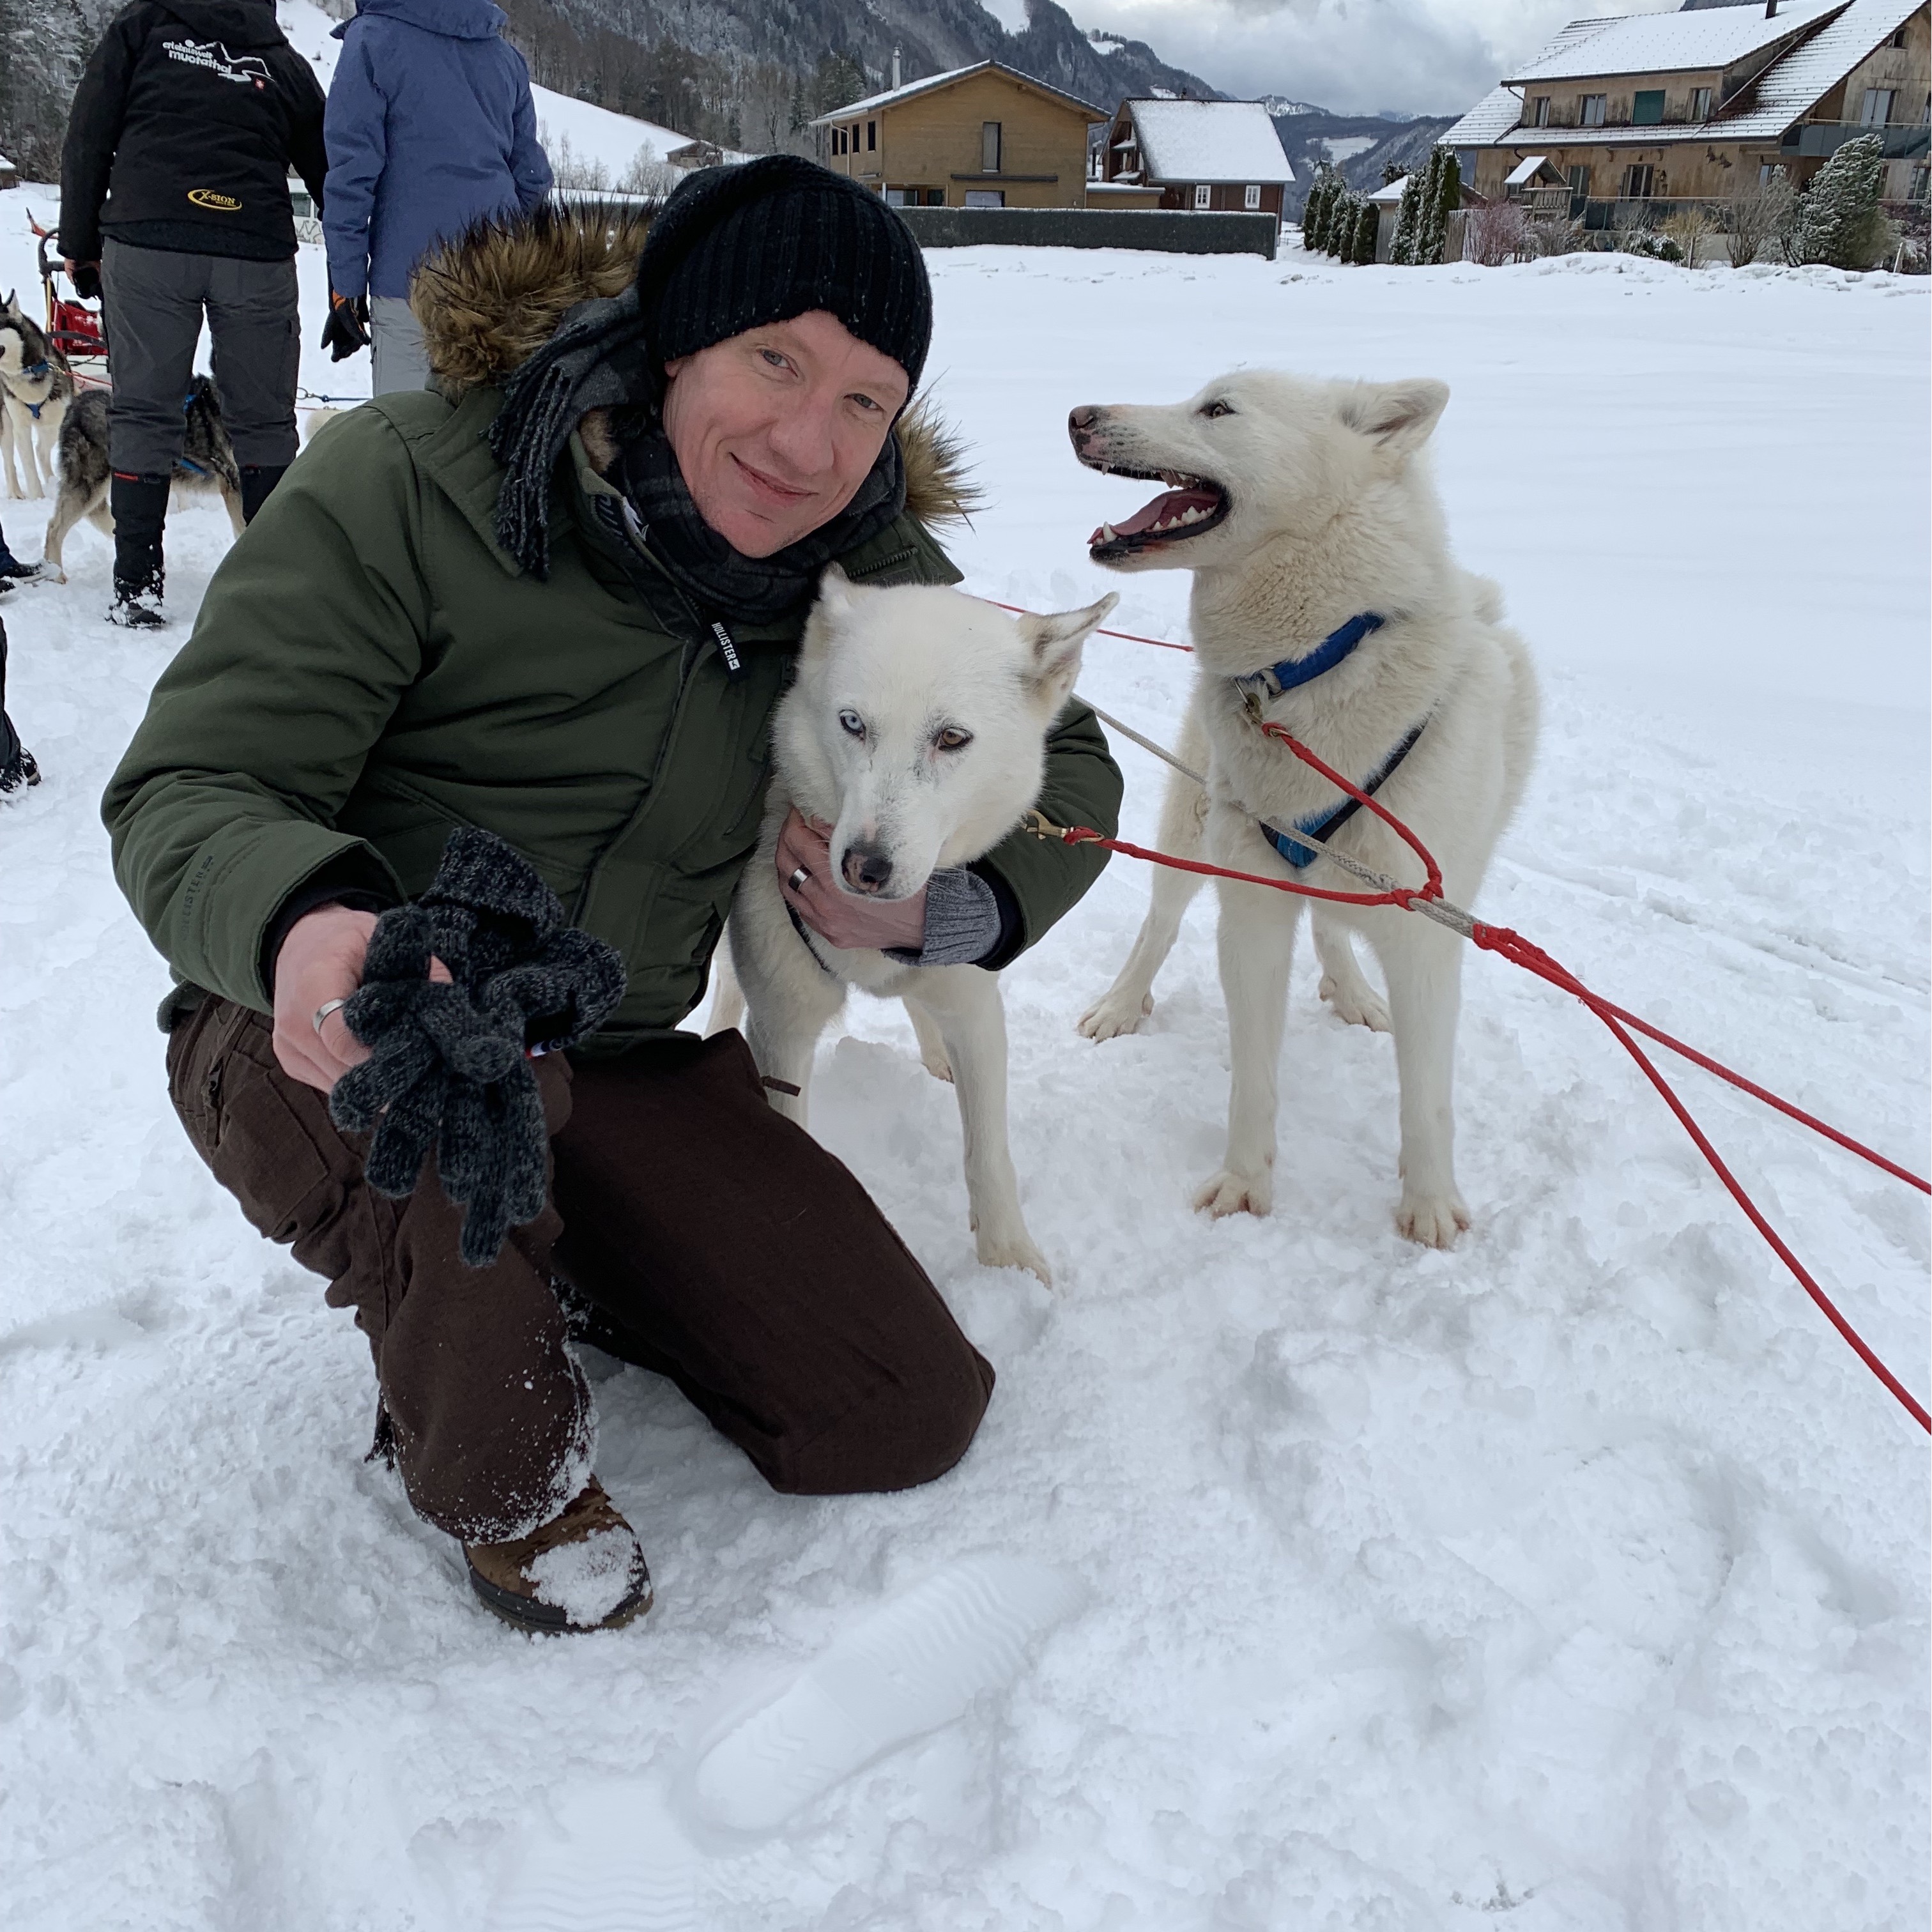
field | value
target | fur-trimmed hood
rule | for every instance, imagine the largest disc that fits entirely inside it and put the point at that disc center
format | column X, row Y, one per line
column 490, row 300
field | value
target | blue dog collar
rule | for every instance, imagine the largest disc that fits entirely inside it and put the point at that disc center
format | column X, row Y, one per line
column 1291, row 672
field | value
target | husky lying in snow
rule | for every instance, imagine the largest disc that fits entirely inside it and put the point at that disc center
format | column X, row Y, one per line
column 207, row 462
column 1324, row 598
column 36, row 386
column 917, row 729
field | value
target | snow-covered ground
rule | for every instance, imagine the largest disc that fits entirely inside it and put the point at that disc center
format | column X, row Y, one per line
column 1576, row 1579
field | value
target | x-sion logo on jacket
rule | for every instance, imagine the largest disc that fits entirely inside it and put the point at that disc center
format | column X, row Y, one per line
column 219, row 61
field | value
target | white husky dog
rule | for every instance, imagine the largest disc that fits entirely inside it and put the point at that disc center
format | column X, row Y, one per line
column 916, row 728
column 1325, row 599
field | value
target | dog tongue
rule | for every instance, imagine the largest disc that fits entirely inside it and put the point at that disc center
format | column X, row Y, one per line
column 1170, row 506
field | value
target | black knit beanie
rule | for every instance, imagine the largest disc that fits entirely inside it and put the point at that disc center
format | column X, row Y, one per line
column 737, row 248
column 732, row 249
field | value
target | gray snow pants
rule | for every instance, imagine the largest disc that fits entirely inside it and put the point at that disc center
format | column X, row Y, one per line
column 153, row 302
column 398, row 358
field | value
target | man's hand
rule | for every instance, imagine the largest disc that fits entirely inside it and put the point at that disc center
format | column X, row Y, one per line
column 321, row 960
column 85, row 277
column 850, row 921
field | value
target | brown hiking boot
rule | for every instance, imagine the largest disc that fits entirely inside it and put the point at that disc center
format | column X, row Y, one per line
column 582, row 1570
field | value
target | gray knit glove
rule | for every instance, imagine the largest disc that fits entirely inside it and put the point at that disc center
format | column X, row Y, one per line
column 962, row 921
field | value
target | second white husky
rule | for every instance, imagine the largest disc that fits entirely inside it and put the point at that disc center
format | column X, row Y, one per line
column 1325, row 599
column 916, row 728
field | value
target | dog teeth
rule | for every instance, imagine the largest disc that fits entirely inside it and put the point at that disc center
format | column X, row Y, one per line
column 1108, row 533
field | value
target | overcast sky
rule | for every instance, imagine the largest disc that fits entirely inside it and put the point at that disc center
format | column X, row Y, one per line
column 1356, row 56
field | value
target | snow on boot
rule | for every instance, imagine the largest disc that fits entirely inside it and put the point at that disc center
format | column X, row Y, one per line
column 140, row 507
column 137, row 607
column 583, row 1571
column 18, row 769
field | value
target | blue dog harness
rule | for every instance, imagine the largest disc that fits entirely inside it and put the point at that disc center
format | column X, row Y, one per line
column 1261, row 685
column 33, row 372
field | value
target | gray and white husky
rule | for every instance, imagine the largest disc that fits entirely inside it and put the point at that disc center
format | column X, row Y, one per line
column 207, row 462
column 916, row 728
column 36, row 386
column 1306, row 513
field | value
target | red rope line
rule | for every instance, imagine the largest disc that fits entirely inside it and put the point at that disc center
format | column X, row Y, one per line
column 1510, row 945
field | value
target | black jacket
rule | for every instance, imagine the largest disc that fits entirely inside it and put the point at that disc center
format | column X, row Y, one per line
column 186, row 123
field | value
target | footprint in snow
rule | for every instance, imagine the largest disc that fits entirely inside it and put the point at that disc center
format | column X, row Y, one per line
column 623, row 1864
column 906, row 1669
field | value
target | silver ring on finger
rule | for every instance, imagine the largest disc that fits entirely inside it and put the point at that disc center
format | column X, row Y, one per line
column 798, row 880
column 323, row 1011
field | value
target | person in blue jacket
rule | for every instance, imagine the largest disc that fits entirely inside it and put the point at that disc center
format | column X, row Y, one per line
column 429, row 127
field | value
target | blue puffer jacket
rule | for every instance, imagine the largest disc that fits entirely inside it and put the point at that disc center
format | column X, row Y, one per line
column 429, row 126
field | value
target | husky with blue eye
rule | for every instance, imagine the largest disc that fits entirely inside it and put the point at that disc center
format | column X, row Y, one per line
column 916, row 728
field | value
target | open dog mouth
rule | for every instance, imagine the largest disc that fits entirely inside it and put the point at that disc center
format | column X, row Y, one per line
column 1188, row 506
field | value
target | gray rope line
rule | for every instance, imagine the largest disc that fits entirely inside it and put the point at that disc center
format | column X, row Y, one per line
column 1442, row 911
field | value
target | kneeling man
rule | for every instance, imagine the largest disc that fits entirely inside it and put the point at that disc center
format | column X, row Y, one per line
column 556, row 598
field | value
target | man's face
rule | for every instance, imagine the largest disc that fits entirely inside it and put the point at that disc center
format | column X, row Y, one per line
column 776, row 429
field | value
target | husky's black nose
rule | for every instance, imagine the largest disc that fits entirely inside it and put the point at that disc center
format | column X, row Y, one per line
column 867, row 869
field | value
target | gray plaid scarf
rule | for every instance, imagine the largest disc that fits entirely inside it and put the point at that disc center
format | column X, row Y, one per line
column 721, row 581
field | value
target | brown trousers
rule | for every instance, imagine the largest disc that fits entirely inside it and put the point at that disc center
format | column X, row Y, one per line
column 712, row 1241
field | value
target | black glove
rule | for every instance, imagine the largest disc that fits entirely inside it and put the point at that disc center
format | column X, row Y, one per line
column 87, row 280
column 450, row 1066
column 347, row 328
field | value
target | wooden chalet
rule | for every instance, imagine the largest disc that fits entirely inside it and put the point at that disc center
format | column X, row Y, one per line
column 1201, row 156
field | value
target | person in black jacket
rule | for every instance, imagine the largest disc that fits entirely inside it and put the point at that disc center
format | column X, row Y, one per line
column 185, row 125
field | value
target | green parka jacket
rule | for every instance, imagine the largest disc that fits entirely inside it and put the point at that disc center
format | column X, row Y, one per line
column 369, row 670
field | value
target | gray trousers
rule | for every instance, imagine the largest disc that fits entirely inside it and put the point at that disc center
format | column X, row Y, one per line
column 153, row 301
column 398, row 358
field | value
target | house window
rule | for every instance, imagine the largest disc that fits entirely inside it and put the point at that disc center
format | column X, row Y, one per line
column 1700, row 104
column 1638, row 179
column 1921, row 177
column 1898, row 38
column 989, row 148
column 1590, row 110
column 1203, row 197
column 1647, row 107
column 871, row 137
column 1251, row 196
column 1875, row 110
column 1579, row 181
column 1770, row 171
column 896, row 197
column 985, row 197
column 1539, row 111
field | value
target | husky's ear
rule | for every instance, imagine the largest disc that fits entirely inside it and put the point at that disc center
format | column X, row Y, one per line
column 837, row 595
column 1400, row 416
column 1055, row 643
column 835, row 591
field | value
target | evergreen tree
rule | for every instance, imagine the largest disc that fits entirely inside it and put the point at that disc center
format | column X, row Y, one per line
column 1367, row 221
column 1312, row 210
column 1409, row 220
column 1441, row 197
column 1323, row 198
column 1839, row 222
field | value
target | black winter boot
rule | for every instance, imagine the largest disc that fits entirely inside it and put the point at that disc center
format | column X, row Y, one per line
column 140, row 505
column 258, row 479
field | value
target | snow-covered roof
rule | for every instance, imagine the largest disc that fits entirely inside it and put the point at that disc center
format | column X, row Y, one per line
column 1794, row 82
column 1712, row 36
column 1807, row 73
column 1501, row 108
column 1390, row 192
column 1526, row 171
column 912, row 89
column 1226, row 141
